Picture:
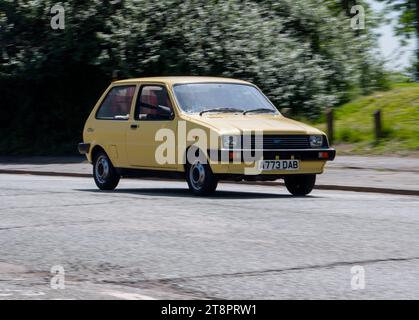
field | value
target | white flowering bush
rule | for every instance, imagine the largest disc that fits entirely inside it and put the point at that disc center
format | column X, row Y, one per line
column 301, row 53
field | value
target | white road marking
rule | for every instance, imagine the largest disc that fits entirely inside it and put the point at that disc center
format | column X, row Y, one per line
column 11, row 292
column 128, row 296
column 33, row 294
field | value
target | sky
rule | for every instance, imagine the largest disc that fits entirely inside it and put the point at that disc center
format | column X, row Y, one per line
column 389, row 44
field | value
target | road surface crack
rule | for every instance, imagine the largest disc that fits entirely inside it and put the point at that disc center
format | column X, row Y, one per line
column 283, row 270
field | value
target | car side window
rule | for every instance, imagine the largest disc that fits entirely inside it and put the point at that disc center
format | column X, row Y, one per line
column 153, row 104
column 117, row 104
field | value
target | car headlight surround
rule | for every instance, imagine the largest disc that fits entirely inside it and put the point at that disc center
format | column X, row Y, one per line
column 316, row 141
column 230, row 141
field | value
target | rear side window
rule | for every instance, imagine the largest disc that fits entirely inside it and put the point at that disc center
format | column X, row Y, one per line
column 117, row 104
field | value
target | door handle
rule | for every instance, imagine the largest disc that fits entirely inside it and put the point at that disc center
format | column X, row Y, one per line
column 134, row 126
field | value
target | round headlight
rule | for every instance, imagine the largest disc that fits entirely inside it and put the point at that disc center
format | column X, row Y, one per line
column 316, row 141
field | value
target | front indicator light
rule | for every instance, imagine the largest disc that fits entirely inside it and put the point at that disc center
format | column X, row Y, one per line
column 323, row 155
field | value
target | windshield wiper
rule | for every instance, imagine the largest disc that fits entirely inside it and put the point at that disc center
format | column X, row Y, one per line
column 260, row 110
column 220, row 110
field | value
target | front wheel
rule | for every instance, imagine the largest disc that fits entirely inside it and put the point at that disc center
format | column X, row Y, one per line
column 300, row 185
column 200, row 178
column 104, row 173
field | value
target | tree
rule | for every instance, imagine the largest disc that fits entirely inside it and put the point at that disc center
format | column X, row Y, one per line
column 408, row 22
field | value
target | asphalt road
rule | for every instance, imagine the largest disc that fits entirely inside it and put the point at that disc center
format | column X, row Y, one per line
column 153, row 240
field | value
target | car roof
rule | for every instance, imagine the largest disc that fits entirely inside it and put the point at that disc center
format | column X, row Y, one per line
column 185, row 79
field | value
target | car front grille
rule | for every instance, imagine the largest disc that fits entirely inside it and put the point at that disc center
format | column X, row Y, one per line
column 271, row 142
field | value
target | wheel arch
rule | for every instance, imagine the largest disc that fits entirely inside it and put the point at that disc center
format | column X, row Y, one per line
column 185, row 157
column 95, row 150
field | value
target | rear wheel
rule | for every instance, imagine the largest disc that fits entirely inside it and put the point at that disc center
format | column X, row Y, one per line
column 104, row 173
column 300, row 185
column 200, row 178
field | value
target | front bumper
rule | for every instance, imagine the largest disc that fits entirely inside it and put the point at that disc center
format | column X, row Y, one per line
column 312, row 161
column 322, row 154
column 83, row 148
column 304, row 155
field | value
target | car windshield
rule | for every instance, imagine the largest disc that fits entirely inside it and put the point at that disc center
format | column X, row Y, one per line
column 221, row 97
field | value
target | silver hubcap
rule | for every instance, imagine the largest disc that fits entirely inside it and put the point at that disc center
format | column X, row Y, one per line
column 197, row 175
column 102, row 169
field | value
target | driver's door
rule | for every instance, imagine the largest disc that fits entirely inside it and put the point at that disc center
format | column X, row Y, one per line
column 153, row 111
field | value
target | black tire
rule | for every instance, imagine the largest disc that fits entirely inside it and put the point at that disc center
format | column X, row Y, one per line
column 201, row 180
column 104, row 173
column 300, row 185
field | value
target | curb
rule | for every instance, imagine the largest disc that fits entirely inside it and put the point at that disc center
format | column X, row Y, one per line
column 267, row 183
column 46, row 173
column 346, row 167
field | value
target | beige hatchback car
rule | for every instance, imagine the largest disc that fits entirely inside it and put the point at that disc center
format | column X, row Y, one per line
column 203, row 129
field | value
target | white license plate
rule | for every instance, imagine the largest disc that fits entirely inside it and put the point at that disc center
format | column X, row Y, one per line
column 269, row 165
